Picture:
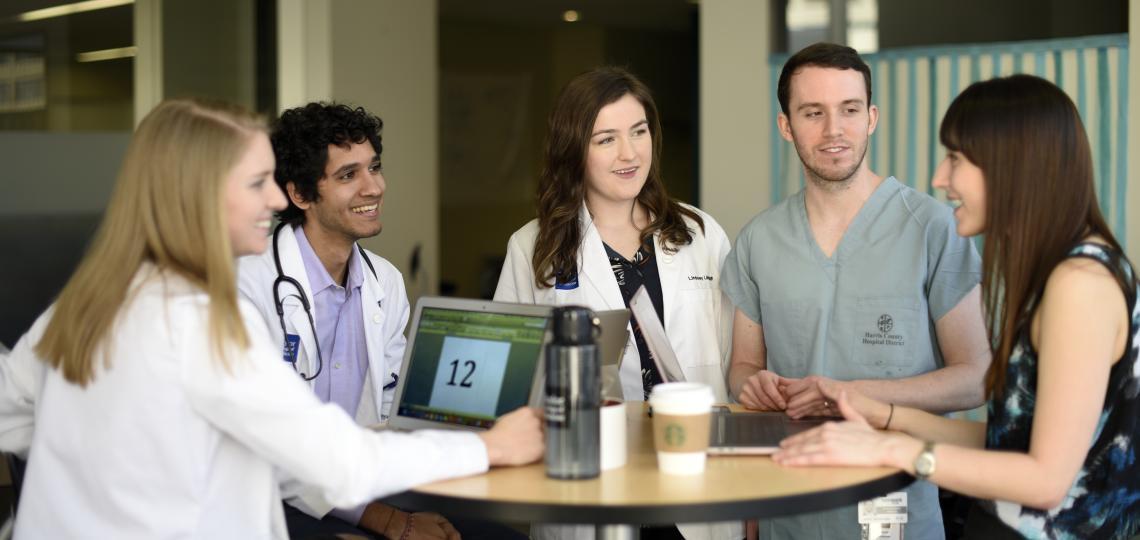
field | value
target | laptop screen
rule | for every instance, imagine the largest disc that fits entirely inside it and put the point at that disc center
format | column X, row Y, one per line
column 470, row 367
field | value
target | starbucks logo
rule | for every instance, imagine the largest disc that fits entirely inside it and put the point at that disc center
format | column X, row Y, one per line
column 886, row 323
column 674, row 435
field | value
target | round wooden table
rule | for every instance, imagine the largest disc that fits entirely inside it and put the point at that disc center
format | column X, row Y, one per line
column 731, row 488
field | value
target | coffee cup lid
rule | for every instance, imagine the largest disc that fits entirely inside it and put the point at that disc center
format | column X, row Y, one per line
column 688, row 395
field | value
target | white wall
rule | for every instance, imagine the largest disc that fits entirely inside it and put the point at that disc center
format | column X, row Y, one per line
column 148, row 61
column 734, row 105
column 304, row 56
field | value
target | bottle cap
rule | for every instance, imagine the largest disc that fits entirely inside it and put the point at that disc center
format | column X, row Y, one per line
column 574, row 325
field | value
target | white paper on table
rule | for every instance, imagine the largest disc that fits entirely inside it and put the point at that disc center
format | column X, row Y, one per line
column 659, row 347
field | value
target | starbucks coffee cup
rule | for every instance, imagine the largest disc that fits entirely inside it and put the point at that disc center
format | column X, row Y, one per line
column 681, row 415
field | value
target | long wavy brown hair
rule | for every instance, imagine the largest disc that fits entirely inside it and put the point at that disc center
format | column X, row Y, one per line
column 1027, row 138
column 561, row 189
column 166, row 209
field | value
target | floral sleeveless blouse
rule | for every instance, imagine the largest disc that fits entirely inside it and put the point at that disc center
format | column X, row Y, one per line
column 1104, row 500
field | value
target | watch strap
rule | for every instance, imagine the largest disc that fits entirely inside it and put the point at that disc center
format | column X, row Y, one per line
column 924, row 463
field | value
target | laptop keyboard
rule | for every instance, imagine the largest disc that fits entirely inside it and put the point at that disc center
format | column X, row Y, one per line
column 751, row 428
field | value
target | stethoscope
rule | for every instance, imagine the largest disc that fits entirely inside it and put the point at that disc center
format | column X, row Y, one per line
column 300, row 295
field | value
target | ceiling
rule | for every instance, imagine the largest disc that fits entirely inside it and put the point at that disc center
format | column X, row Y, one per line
column 652, row 14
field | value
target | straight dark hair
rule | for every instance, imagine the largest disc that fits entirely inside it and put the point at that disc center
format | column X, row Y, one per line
column 1027, row 138
column 826, row 55
column 561, row 190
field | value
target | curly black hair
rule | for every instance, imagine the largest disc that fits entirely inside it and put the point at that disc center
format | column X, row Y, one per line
column 301, row 139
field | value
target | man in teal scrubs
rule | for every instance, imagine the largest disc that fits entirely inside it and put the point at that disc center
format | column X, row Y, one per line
column 857, row 280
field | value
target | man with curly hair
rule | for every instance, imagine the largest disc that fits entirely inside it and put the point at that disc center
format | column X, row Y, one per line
column 338, row 310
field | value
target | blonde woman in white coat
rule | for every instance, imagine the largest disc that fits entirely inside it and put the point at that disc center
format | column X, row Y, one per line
column 606, row 227
column 151, row 402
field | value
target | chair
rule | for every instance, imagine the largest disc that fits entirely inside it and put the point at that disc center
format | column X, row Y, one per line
column 16, row 472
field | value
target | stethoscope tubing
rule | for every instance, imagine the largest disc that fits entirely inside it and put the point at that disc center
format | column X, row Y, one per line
column 279, row 305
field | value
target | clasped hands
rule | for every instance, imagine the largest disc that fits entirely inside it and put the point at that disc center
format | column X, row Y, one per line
column 810, row 396
column 853, row 441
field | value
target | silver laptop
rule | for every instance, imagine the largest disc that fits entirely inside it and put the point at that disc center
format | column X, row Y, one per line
column 467, row 363
column 756, row 433
column 614, row 336
column 612, row 340
column 470, row 361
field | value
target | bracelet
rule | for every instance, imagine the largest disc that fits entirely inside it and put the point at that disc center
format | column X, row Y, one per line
column 408, row 526
column 889, row 417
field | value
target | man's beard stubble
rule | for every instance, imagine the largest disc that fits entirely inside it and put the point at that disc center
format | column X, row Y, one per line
column 831, row 182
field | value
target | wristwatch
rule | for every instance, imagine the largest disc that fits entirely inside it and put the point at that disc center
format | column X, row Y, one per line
column 924, row 463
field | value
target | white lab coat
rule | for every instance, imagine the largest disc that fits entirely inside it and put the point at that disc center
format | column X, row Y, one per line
column 385, row 313
column 165, row 443
column 698, row 319
column 384, row 310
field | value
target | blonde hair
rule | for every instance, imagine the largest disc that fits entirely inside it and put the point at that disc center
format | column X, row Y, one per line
column 166, row 208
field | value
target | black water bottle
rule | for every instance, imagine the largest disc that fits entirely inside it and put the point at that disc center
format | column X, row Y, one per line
column 573, row 395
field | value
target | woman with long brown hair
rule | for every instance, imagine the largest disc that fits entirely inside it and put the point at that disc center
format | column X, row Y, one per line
column 606, row 228
column 1057, row 456
column 152, row 403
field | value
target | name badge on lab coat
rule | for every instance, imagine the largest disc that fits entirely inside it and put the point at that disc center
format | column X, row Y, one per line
column 290, row 352
column 569, row 284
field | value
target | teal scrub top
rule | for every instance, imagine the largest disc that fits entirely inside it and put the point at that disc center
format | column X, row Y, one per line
column 866, row 312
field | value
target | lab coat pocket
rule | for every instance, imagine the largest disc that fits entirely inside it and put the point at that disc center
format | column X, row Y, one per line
column 710, row 374
column 698, row 293
column 698, row 275
column 699, row 282
column 885, row 332
column 289, row 311
column 696, row 337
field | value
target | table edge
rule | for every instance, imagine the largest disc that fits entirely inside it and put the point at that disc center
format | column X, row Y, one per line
column 762, row 507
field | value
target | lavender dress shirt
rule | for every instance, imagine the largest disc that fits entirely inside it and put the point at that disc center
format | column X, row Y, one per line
column 337, row 312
